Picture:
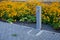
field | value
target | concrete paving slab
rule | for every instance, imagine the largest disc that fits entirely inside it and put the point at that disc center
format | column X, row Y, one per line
column 19, row 32
column 47, row 35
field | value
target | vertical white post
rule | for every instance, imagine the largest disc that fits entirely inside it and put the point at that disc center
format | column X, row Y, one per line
column 38, row 17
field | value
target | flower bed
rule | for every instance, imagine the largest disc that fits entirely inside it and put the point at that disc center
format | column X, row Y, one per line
column 26, row 11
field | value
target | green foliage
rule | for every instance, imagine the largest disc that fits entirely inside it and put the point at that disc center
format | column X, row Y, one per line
column 10, row 20
column 28, row 18
column 56, row 25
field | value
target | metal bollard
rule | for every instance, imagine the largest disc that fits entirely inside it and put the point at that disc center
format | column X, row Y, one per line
column 38, row 17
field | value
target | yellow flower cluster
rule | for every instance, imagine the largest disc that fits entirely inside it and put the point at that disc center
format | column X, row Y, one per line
column 11, row 9
column 50, row 12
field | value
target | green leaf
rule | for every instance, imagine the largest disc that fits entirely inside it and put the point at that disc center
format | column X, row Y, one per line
column 10, row 20
column 14, row 35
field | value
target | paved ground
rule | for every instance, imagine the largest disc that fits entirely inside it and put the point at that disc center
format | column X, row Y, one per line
column 19, row 32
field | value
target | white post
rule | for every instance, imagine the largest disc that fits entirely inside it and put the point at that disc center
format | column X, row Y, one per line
column 38, row 17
